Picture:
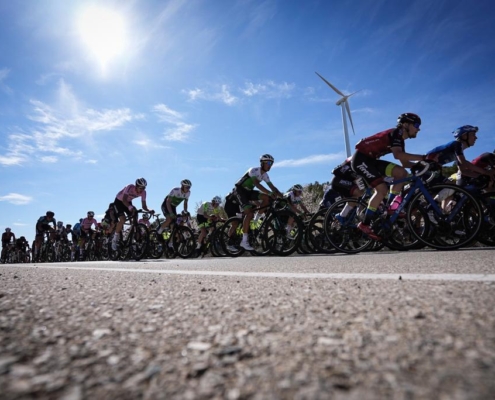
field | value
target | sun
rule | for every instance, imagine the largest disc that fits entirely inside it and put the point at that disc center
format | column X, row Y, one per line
column 103, row 32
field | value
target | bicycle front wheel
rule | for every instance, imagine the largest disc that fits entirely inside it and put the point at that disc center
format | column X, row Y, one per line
column 455, row 221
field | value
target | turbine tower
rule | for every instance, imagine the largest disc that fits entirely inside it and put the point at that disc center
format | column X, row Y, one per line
column 344, row 105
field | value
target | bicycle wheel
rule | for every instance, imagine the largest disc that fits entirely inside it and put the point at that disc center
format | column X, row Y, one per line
column 139, row 241
column 315, row 233
column 342, row 232
column 183, row 241
column 283, row 242
column 486, row 235
column 155, row 245
column 455, row 221
column 231, row 244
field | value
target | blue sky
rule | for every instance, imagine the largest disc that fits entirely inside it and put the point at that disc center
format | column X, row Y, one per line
column 199, row 89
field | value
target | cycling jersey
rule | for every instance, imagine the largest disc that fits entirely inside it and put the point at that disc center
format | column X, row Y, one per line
column 251, row 176
column 177, row 196
column 329, row 197
column 87, row 223
column 446, row 153
column 485, row 161
column 43, row 220
column 7, row 237
column 381, row 143
column 131, row 192
column 145, row 222
column 206, row 209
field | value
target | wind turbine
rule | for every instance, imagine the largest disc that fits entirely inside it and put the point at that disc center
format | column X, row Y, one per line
column 342, row 102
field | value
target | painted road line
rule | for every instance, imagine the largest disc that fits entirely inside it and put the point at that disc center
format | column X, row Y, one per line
column 363, row 276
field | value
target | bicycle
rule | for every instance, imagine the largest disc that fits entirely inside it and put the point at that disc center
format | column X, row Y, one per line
column 133, row 241
column 424, row 216
column 266, row 235
column 177, row 241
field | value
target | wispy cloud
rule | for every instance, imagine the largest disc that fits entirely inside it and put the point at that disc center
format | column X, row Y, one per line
column 178, row 130
column 310, row 160
column 54, row 127
column 230, row 96
column 4, row 72
column 16, row 198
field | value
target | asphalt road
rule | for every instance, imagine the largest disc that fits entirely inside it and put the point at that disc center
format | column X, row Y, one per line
column 369, row 326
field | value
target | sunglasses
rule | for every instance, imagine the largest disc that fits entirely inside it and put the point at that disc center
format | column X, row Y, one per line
column 416, row 125
column 270, row 163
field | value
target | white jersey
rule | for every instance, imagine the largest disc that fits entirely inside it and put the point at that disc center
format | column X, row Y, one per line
column 252, row 175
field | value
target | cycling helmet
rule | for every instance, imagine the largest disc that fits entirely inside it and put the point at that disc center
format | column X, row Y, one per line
column 60, row 224
column 267, row 157
column 50, row 214
column 141, row 182
column 146, row 216
column 7, row 229
column 216, row 200
column 297, row 187
column 186, row 182
column 80, row 220
column 464, row 129
column 409, row 117
column 91, row 213
column 68, row 226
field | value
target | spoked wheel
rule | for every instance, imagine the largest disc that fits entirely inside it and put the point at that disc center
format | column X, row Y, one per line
column 155, row 245
column 455, row 221
column 139, row 242
column 231, row 244
column 283, row 242
column 183, row 241
column 486, row 235
column 315, row 233
column 342, row 232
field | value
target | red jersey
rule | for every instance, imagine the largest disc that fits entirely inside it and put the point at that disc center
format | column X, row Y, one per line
column 381, row 143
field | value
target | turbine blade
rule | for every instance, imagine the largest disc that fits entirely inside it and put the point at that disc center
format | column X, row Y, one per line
column 352, row 94
column 349, row 114
column 329, row 84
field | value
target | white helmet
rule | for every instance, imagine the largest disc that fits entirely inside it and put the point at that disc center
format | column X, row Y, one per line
column 297, row 187
column 141, row 182
column 267, row 157
column 216, row 199
column 60, row 224
column 186, row 182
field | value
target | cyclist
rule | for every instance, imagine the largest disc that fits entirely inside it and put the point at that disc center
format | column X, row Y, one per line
column 22, row 248
column 208, row 212
column 8, row 238
column 109, row 220
column 294, row 198
column 366, row 164
column 169, row 206
column 42, row 226
column 86, row 231
column 487, row 162
column 246, row 193
column 123, row 205
column 345, row 183
column 464, row 137
column 145, row 220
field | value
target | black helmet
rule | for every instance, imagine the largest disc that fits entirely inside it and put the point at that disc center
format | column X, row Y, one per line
column 50, row 214
column 409, row 117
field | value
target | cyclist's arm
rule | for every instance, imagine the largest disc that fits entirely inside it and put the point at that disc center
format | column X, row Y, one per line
column 467, row 166
column 185, row 205
column 144, row 206
column 406, row 158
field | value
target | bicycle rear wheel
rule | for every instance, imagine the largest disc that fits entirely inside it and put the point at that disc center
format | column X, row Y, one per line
column 183, row 241
column 283, row 243
column 342, row 232
column 139, row 242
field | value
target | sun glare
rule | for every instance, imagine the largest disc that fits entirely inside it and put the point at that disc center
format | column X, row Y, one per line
column 103, row 32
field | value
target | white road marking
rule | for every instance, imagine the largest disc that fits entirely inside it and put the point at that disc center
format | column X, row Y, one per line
column 364, row 276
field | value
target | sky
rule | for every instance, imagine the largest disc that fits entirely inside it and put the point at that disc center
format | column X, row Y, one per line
column 94, row 95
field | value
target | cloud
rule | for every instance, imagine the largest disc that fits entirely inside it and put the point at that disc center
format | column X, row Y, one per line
column 310, row 160
column 4, row 72
column 16, row 198
column 224, row 94
column 54, row 127
column 178, row 130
